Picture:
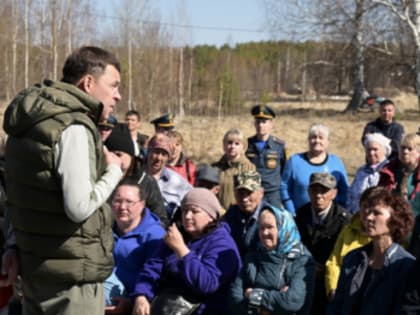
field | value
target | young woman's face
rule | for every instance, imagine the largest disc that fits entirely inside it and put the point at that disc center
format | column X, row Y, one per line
column 268, row 230
column 195, row 220
column 375, row 219
column 233, row 148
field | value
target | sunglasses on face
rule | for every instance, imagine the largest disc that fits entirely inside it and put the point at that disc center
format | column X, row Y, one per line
column 104, row 128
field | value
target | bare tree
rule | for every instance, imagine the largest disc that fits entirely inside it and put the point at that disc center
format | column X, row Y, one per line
column 15, row 14
column 409, row 13
column 345, row 21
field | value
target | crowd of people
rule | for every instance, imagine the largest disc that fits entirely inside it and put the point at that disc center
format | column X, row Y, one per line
column 102, row 219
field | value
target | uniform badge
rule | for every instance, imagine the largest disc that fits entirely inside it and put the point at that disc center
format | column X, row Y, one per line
column 271, row 163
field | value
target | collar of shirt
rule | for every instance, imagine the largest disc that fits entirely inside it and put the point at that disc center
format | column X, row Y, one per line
column 165, row 176
column 319, row 217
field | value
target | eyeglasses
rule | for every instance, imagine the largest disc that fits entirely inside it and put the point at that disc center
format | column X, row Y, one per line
column 104, row 128
column 120, row 202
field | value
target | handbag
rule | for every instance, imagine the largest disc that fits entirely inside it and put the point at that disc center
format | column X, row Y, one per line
column 172, row 304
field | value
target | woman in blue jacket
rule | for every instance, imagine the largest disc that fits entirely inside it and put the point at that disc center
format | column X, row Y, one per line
column 199, row 264
column 279, row 277
column 295, row 178
column 372, row 277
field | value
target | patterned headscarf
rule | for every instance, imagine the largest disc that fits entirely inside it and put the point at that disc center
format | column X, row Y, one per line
column 288, row 234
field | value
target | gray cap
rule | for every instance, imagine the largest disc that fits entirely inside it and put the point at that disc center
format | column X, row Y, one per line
column 208, row 174
column 324, row 179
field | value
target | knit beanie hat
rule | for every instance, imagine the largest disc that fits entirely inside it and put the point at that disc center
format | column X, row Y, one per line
column 120, row 140
column 203, row 199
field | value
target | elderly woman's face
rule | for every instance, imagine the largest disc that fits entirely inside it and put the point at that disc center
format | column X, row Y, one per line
column 195, row 220
column 375, row 220
column 375, row 153
column 268, row 230
column 409, row 154
column 318, row 142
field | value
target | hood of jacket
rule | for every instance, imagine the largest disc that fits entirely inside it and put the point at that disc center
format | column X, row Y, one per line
column 44, row 101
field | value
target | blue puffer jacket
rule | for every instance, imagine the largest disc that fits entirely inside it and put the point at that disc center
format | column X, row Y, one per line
column 204, row 274
column 382, row 295
column 271, row 272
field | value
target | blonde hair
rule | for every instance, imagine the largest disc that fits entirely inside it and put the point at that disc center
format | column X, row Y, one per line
column 411, row 139
column 234, row 133
column 173, row 134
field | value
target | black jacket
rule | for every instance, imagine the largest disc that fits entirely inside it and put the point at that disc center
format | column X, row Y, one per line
column 320, row 239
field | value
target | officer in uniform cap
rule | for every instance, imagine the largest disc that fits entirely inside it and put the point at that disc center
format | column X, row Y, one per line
column 164, row 123
column 267, row 152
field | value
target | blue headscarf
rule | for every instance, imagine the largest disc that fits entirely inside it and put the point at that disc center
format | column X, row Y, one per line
column 288, row 234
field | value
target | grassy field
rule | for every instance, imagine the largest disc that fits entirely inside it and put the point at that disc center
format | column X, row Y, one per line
column 203, row 135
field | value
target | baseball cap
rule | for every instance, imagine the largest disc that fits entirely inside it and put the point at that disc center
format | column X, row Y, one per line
column 208, row 173
column 324, row 179
column 249, row 180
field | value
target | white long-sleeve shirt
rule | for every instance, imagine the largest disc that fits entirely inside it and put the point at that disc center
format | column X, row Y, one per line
column 81, row 196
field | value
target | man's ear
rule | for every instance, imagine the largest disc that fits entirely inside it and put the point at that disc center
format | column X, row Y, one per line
column 86, row 83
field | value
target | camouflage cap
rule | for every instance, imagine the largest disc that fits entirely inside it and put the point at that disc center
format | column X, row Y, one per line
column 324, row 179
column 249, row 180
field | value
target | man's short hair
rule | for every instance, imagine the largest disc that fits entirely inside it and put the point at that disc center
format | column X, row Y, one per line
column 87, row 60
column 133, row 112
column 386, row 102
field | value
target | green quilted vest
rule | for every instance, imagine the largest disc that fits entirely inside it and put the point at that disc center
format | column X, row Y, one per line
column 52, row 247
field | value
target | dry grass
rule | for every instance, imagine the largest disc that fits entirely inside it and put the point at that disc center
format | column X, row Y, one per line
column 203, row 135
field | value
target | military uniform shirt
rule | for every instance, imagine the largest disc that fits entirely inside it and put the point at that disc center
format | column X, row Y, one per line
column 269, row 161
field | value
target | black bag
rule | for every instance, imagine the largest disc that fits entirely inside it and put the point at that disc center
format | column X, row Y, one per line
column 172, row 304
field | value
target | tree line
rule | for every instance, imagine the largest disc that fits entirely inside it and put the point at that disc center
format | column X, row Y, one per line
column 162, row 73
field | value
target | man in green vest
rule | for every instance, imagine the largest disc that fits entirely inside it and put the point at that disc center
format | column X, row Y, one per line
column 59, row 177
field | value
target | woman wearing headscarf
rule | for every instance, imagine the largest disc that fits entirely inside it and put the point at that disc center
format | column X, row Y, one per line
column 279, row 276
column 377, row 149
column 197, row 261
column 373, row 276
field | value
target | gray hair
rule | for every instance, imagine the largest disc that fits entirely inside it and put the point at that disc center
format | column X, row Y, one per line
column 380, row 139
column 319, row 128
